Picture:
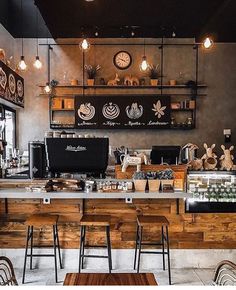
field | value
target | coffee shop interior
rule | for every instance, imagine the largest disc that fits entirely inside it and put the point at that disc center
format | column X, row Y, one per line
column 117, row 142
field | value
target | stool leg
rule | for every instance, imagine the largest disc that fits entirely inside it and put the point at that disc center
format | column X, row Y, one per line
column 58, row 247
column 83, row 246
column 26, row 251
column 140, row 246
column 163, row 247
column 136, row 248
column 168, row 254
column 31, row 246
column 109, row 248
column 55, row 252
column 80, row 248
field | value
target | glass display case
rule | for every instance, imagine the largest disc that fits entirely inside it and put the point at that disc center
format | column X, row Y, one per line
column 212, row 191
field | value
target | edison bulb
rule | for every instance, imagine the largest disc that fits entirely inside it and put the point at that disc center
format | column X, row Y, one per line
column 22, row 64
column 207, row 43
column 38, row 64
column 47, row 88
column 84, row 45
column 144, row 64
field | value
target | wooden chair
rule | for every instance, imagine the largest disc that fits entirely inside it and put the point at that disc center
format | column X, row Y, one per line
column 7, row 274
column 225, row 274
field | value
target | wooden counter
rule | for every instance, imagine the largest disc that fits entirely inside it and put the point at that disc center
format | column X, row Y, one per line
column 187, row 231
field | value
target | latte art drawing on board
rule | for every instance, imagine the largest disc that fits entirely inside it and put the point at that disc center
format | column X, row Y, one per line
column 134, row 111
column 3, row 78
column 86, row 111
column 12, row 83
column 158, row 109
column 20, row 88
column 110, row 111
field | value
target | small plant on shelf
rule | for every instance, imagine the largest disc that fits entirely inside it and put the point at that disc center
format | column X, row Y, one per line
column 91, row 73
column 154, row 74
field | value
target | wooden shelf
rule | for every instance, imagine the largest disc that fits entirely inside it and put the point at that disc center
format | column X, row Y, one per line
column 182, row 110
column 67, row 110
column 128, row 87
column 182, row 128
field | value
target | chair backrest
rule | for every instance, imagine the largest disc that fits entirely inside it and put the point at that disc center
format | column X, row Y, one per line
column 225, row 274
column 7, row 275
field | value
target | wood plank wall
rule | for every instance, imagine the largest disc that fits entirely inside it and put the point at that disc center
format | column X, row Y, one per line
column 187, row 231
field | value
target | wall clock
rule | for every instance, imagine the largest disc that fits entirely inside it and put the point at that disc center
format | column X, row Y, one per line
column 122, row 59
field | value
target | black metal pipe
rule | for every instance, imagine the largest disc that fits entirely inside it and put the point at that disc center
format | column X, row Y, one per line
column 124, row 44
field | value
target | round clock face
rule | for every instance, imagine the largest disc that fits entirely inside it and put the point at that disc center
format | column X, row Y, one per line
column 122, row 60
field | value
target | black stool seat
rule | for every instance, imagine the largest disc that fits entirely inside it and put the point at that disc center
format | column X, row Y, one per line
column 160, row 222
column 39, row 221
column 94, row 221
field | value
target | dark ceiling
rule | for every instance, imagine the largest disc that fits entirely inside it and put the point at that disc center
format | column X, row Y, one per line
column 119, row 18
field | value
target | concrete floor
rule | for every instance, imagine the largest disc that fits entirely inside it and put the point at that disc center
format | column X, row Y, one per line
column 179, row 276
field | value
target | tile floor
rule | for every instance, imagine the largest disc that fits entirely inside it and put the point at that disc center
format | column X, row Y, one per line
column 179, row 276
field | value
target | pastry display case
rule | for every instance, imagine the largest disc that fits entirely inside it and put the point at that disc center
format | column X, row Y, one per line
column 212, row 191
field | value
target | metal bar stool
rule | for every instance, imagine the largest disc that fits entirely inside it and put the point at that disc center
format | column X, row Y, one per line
column 39, row 221
column 153, row 221
column 94, row 221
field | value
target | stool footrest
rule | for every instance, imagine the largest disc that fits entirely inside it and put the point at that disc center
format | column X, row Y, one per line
column 94, row 256
column 95, row 246
column 150, row 252
column 151, row 244
column 40, row 255
column 43, row 246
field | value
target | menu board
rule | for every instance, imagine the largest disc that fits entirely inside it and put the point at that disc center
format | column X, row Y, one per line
column 11, row 85
column 122, row 112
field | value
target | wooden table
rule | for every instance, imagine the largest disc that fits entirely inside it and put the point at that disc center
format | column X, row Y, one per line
column 86, row 279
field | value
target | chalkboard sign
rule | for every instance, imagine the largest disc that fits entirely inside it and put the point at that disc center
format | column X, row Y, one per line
column 122, row 112
column 11, row 85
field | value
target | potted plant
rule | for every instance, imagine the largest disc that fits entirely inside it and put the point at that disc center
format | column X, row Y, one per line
column 153, row 182
column 154, row 74
column 140, row 180
column 167, row 177
column 91, row 73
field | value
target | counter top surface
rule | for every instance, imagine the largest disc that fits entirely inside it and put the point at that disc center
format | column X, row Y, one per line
column 23, row 193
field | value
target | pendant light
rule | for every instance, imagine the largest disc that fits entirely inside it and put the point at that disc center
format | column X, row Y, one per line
column 144, row 64
column 37, row 63
column 208, row 43
column 47, row 88
column 22, row 64
column 84, row 45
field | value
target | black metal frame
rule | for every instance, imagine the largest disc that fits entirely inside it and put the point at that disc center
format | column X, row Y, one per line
column 194, row 91
column 56, row 245
column 83, row 246
column 165, row 251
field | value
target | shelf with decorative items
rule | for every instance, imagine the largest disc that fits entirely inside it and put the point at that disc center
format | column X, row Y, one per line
column 166, row 93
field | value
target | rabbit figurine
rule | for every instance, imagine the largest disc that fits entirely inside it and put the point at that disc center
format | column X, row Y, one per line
column 226, row 160
column 209, row 158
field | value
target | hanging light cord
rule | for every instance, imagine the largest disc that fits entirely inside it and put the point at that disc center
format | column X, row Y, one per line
column 22, row 42
column 37, row 42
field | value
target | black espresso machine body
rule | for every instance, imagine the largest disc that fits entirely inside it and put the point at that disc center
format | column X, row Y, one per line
column 37, row 159
column 77, row 155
